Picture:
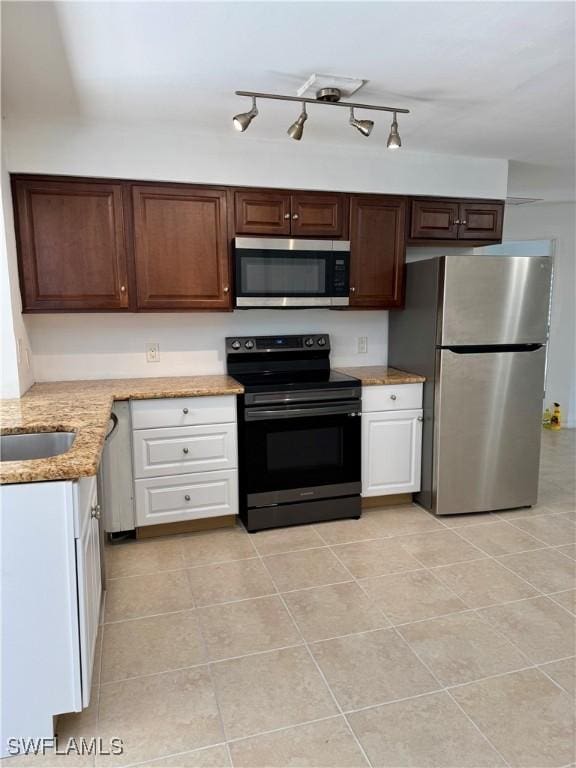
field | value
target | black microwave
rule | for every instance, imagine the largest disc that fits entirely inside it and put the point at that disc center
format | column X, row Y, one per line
column 288, row 273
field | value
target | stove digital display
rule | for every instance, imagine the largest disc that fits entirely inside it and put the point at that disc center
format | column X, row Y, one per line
column 278, row 342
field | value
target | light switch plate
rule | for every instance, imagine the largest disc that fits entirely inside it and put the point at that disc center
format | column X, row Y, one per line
column 152, row 352
column 362, row 345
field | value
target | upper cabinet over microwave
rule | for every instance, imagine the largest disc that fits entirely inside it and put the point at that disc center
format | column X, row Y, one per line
column 300, row 214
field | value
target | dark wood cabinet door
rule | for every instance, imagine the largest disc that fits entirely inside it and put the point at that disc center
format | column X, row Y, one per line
column 434, row 220
column 317, row 215
column 377, row 251
column 262, row 213
column 481, row 221
column 181, row 248
column 71, row 243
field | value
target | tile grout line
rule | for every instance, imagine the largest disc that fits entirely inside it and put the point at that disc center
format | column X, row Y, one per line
column 434, row 677
column 318, row 669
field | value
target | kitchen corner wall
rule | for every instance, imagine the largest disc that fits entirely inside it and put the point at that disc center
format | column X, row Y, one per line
column 555, row 221
column 109, row 345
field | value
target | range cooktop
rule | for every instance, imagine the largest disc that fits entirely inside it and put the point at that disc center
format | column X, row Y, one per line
column 279, row 363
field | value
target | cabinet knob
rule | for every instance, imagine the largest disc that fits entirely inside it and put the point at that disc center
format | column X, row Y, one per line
column 295, row 217
column 352, row 289
column 420, row 418
column 286, row 216
column 185, row 450
column 456, row 221
column 464, row 222
column 122, row 289
column 184, row 410
column 393, row 397
column 187, row 497
column 95, row 511
column 226, row 289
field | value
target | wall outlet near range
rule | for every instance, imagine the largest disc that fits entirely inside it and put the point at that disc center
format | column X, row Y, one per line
column 362, row 345
column 152, row 352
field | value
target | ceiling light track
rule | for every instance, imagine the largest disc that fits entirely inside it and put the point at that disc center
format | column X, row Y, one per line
column 301, row 100
column 329, row 97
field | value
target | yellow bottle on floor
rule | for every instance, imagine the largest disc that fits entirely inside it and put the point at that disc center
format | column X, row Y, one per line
column 546, row 418
column 556, row 419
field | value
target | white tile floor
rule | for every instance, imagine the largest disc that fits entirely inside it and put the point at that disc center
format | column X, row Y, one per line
column 397, row 640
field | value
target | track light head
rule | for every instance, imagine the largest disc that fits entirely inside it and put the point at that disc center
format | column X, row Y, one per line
column 243, row 120
column 364, row 126
column 297, row 128
column 394, row 140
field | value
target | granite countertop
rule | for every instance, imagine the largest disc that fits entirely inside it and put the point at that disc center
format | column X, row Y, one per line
column 371, row 375
column 84, row 407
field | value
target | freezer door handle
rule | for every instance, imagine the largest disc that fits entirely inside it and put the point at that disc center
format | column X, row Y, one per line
column 479, row 349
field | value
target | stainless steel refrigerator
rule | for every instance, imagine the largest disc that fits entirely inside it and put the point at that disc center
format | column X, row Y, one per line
column 476, row 327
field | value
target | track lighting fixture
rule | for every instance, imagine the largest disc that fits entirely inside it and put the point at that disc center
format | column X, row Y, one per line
column 364, row 126
column 243, row 120
column 394, row 140
column 297, row 128
column 329, row 97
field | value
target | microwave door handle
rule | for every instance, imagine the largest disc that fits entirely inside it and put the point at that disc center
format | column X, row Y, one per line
column 269, row 414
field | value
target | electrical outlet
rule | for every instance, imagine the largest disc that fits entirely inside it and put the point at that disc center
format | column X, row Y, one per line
column 362, row 345
column 152, row 352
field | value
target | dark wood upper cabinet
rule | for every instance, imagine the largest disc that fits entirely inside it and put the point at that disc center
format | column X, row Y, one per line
column 317, row 215
column 455, row 220
column 72, row 245
column 377, row 251
column 432, row 219
column 300, row 214
column 481, row 221
column 181, row 248
column 262, row 213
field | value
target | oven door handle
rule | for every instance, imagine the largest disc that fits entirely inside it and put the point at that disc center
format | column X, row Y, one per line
column 270, row 414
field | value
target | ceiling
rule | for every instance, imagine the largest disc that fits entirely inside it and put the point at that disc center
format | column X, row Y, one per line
column 490, row 79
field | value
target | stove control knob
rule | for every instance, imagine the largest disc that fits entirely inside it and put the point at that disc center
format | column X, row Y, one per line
column 249, row 344
column 236, row 344
column 309, row 341
column 321, row 341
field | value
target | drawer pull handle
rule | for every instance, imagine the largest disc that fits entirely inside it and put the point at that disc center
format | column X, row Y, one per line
column 185, row 450
column 392, row 397
column 95, row 511
column 184, row 410
column 187, row 497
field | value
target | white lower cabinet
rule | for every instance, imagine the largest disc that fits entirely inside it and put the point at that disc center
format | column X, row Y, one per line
column 186, row 497
column 391, row 440
column 89, row 583
column 185, row 458
column 50, row 590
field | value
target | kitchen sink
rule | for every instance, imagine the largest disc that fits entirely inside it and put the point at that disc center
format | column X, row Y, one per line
column 34, row 445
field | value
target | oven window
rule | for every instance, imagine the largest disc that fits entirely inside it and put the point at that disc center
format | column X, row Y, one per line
column 282, row 275
column 304, row 449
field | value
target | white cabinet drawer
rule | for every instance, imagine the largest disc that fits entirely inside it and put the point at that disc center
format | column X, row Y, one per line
column 182, row 450
column 186, row 497
column 391, row 452
column 183, row 411
column 389, row 397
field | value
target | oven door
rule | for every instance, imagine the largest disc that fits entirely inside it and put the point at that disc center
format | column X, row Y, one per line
column 280, row 272
column 301, row 452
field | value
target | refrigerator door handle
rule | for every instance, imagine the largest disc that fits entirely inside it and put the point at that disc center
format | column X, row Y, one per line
column 478, row 349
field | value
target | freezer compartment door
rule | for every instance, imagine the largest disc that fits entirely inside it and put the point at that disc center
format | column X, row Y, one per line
column 487, row 430
column 495, row 300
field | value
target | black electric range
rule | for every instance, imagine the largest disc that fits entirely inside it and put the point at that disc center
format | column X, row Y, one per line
column 299, row 431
